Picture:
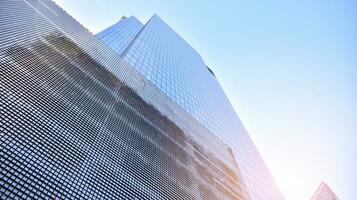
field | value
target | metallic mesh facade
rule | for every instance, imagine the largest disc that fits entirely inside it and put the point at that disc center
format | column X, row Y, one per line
column 75, row 123
column 172, row 65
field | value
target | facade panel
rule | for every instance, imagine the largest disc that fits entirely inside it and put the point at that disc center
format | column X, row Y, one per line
column 172, row 65
column 75, row 121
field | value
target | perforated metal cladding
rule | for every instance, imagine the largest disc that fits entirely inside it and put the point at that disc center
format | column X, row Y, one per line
column 71, row 129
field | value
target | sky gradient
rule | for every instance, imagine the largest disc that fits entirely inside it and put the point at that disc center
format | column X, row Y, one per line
column 288, row 67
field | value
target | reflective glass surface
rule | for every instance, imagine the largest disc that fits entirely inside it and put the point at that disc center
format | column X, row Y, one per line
column 173, row 66
column 72, row 128
column 122, row 33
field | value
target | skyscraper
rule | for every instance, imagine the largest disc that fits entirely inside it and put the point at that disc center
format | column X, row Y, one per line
column 156, row 51
column 78, row 122
column 324, row 192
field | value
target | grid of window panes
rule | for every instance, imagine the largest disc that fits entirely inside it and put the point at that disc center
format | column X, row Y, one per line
column 122, row 33
column 70, row 129
column 172, row 65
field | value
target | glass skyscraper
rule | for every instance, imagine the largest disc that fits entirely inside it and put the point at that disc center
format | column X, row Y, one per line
column 172, row 65
column 77, row 121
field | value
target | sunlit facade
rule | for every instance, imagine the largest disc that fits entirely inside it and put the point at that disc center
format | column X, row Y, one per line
column 173, row 66
column 79, row 122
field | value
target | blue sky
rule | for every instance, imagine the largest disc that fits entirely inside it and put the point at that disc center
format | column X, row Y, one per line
column 289, row 68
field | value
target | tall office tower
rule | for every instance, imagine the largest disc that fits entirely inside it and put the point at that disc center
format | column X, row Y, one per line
column 172, row 65
column 78, row 122
column 324, row 192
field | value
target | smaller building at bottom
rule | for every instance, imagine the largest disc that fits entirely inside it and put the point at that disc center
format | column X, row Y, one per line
column 324, row 192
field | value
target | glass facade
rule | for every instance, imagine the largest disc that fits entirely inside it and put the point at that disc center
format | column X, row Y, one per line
column 74, row 126
column 122, row 32
column 173, row 66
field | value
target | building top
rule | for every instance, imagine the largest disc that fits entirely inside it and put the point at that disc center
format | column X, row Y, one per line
column 122, row 32
column 324, row 192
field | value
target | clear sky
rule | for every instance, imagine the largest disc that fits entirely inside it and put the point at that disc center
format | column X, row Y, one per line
column 289, row 68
